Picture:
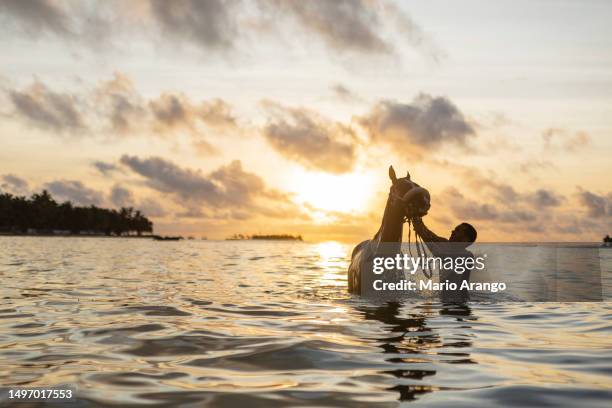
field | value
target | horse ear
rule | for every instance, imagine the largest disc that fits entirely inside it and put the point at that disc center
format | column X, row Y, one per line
column 408, row 175
column 392, row 175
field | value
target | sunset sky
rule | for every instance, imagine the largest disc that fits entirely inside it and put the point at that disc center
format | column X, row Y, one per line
column 222, row 117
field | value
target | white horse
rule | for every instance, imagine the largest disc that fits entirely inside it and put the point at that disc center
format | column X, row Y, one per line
column 406, row 200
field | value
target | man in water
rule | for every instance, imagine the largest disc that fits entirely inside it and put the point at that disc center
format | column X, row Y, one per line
column 454, row 247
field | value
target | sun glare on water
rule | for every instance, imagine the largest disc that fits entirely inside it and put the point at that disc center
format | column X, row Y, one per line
column 343, row 193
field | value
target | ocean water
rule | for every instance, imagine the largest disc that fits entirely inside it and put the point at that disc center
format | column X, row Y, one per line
column 135, row 322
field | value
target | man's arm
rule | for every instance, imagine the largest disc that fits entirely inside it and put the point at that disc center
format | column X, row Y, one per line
column 433, row 242
column 426, row 233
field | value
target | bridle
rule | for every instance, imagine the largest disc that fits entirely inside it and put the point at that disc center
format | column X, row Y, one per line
column 420, row 244
column 401, row 200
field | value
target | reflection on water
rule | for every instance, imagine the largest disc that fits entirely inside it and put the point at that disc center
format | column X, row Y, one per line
column 137, row 322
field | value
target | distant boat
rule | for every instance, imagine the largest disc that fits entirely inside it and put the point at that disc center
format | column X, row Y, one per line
column 160, row 238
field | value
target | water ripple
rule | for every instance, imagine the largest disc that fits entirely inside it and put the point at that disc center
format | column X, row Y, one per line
column 262, row 324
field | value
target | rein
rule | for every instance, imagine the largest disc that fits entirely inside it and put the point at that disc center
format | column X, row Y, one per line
column 420, row 247
column 418, row 240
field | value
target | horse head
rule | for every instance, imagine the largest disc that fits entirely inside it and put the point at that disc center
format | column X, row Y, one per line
column 408, row 196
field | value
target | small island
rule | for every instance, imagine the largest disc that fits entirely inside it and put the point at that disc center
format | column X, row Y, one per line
column 269, row 237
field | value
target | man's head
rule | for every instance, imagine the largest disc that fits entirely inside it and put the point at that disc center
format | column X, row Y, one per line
column 463, row 233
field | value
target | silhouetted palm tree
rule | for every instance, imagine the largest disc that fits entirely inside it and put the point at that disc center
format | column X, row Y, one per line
column 43, row 214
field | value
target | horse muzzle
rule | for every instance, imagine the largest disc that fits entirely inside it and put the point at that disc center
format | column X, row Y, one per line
column 417, row 202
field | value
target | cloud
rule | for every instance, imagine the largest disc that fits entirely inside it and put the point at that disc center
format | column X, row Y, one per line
column 487, row 185
column 424, row 125
column 150, row 207
column 515, row 214
column 191, row 212
column 489, row 215
column 75, row 191
column 167, row 177
column 239, row 186
column 518, row 215
column 14, row 184
column 368, row 27
column 210, row 24
column 345, row 94
column 119, row 102
column 121, row 197
column 115, row 105
column 171, row 111
column 217, row 113
column 556, row 139
column 304, row 136
column 532, row 166
column 357, row 26
column 47, row 109
column 229, row 191
column 502, row 192
column 545, row 198
column 412, row 32
column 597, row 206
column 105, row 168
column 203, row 148
column 88, row 23
column 342, row 24
column 468, row 209
column 35, row 17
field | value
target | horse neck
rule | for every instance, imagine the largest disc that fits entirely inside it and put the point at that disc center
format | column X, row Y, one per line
column 392, row 226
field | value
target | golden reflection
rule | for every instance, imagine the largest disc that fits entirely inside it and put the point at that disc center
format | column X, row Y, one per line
column 330, row 249
column 332, row 261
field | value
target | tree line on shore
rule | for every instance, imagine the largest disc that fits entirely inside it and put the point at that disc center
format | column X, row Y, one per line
column 42, row 214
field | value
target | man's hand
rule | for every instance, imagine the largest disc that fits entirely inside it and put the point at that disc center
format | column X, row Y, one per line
column 427, row 235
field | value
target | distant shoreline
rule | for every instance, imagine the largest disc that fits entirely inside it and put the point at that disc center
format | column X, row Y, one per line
column 582, row 244
column 12, row 234
column 151, row 237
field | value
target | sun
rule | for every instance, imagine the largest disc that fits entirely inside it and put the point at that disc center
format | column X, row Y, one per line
column 344, row 193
